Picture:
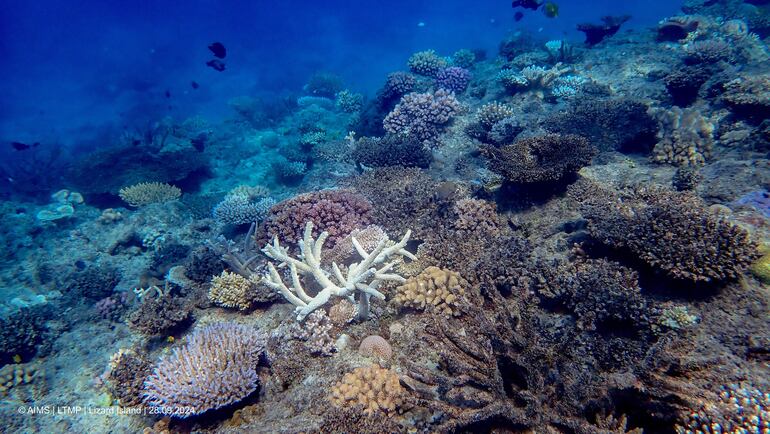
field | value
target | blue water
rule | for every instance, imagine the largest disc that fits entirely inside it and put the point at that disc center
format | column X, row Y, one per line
column 74, row 72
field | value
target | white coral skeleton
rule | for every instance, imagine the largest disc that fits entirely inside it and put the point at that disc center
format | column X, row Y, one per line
column 347, row 285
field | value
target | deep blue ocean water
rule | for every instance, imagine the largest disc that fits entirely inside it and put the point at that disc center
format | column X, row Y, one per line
column 75, row 71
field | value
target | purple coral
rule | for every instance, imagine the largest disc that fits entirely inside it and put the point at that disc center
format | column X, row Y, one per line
column 216, row 368
column 422, row 116
column 337, row 212
column 399, row 83
column 454, row 79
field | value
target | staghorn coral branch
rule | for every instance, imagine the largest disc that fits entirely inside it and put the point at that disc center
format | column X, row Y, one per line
column 354, row 283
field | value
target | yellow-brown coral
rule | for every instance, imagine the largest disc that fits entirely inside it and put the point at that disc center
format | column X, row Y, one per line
column 232, row 290
column 374, row 388
column 146, row 193
column 433, row 290
column 15, row 375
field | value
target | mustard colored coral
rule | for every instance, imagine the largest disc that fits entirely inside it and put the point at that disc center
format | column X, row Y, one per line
column 146, row 193
column 374, row 388
column 433, row 290
column 233, row 290
column 761, row 268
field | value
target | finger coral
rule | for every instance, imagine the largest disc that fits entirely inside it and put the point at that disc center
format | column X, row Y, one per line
column 433, row 290
column 685, row 137
column 374, row 388
column 146, row 193
column 217, row 367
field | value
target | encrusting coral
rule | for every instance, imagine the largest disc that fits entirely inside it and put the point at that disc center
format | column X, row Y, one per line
column 374, row 388
column 217, row 367
column 356, row 280
column 433, row 290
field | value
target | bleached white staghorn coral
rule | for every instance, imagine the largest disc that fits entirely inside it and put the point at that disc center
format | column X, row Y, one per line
column 355, row 281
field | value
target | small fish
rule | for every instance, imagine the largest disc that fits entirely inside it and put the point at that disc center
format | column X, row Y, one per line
column 218, row 49
column 168, row 93
column 551, row 10
column 421, row 24
column 216, row 64
column 195, row 84
column 518, row 16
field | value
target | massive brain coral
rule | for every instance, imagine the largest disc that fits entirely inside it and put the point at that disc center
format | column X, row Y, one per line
column 217, row 367
column 671, row 231
column 548, row 157
column 422, row 116
column 337, row 212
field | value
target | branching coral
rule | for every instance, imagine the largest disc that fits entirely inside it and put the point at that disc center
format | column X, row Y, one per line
column 671, row 231
column 433, row 290
column 549, row 157
column 362, row 277
column 491, row 113
column 233, row 290
column 337, row 212
column 391, row 150
column 476, row 215
column 146, row 193
column 238, row 210
column 453, row 78
column 374, row 388
column 426, row 63
column 422, row 116
column 217, row 367
column 315, row 332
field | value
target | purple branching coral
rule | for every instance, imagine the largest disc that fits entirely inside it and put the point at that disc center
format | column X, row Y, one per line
column 398, row 84
column 453, row 78
column 217, row 367
column 422, row 116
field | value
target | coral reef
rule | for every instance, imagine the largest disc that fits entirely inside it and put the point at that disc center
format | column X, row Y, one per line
column 740, row 408
column 373, row 388
column 391, row 150
column 337, row 212
column 238, row 210
column 426, row 63
column 671, row 231
column 125, row 376
column 160, row 316
column 315, row 331
column 422, row 116
column 685, row 137
column 146, row 193
column 216, row 367
column 235, row 291
column 355, row 280
column 549, row 157
column 453, row 78
column 433, row 290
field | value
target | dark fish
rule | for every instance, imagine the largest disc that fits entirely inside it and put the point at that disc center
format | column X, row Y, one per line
column 218, row 49
column 199, row 143
column 168, row 94
column 527, row 4
column 518, row 16
column 195, row 85
column 20, row 146
column 216, row 64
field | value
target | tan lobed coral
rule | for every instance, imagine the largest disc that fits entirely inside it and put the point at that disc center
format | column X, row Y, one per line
column 476, row 215
column 375, row 346
column 374, row 388
column 233, row 290
column 146, row 193
column 433, row 290
column 685, row 138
